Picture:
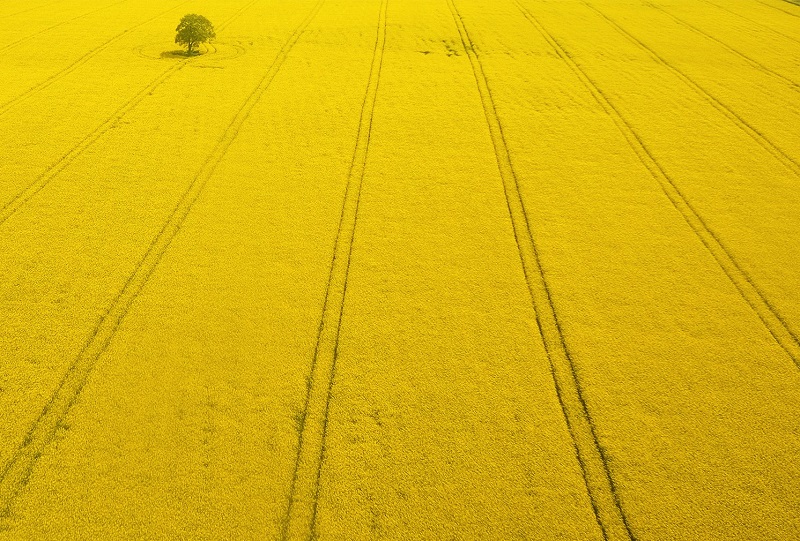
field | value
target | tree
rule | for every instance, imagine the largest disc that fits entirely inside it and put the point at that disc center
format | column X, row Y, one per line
column 194, row 30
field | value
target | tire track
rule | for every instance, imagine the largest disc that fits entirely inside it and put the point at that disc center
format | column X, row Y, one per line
column 39, row 33
column 779, row 9
column 26, row 10
column 751, row 21
column 8, row 105
column 301, row 512
column 16, row 472
column 750, row 292
column 753, row 62
column 30, row 191
column 781, row 155
column 589, row 452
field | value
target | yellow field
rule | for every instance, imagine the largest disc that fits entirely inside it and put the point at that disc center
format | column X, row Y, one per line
column 400, row 269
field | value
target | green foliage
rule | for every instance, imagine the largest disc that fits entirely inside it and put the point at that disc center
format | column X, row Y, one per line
column 193, row 30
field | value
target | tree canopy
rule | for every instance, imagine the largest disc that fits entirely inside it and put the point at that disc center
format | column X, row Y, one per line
column 193, row 30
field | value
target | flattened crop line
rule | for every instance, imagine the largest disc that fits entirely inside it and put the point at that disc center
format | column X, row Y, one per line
column 779, row 9
column 751, row 21
column 753, row 62
column 30, row 191
column 25, row 195
column 747, row 288
column 590, row 454
column 16, row 472
column 301, row 514
column 26, row 10
column 762, row 140
column 4, row 108
column 39, row 33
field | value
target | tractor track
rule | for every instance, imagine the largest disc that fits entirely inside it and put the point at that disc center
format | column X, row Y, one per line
column 753, row 62
column 786, row 11
column 8, row 105
column 26, row 10
column 40, row 32
column 26, row 194
column 762, row 140
column 301, row 514
column 40, row 182
column 590, row 454
column 747, row 288
column 751, row 21
column 16, row 472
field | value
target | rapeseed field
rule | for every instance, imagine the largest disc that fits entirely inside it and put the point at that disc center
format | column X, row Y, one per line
column 400, row 269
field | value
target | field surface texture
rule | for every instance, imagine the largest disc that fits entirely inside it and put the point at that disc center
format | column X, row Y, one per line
column 400, row 269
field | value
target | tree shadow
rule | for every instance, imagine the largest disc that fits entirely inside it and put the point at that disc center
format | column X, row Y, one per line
column 180, row 53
